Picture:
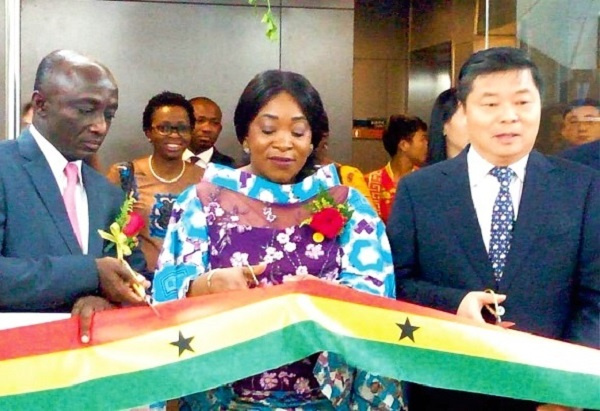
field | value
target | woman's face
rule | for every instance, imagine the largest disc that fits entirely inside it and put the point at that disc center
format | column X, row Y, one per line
column 455, row 130
column 170, row 133
column 279, row 139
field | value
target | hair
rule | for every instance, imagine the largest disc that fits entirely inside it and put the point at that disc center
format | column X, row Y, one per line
column 166, row 99
column 268, row 84
column 204, row 100
column 580, row 103
column 399, row 128
column 494, row 60
column 444, row 108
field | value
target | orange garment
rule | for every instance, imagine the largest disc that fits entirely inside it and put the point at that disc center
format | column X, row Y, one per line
column 383, row 190
column 154, row 201
column 353, row 177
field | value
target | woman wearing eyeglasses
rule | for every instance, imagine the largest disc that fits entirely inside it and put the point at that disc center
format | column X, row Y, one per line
column 157, row 180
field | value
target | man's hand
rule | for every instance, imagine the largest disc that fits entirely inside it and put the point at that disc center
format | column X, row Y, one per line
column 472, row 304
column 85, row 308
column 116, row 281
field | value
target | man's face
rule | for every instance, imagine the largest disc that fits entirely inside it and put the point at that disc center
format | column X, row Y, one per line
column 75, row 109
column 416, row 148
column 503, row 113
column 208, row 126
column 582, row 125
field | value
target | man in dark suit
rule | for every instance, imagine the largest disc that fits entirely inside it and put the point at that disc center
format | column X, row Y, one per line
column 500, row 216
column 52, row 203
column 588, row 154
column 208, row 126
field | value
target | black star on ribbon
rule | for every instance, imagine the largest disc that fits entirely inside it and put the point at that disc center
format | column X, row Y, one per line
column 183, row 344
column 407, row 330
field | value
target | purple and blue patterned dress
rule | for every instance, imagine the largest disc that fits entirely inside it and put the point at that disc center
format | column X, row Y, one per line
column 233, row 218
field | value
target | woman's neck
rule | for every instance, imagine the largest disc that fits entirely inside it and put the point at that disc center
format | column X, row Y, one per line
column 166, row 168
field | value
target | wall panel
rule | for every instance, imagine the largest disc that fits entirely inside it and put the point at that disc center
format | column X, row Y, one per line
column 319, row 44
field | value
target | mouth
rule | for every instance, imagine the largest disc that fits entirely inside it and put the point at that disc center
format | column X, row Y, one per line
column 92, row 145
column 281, row 161
column 506, row 137
column 174, row 147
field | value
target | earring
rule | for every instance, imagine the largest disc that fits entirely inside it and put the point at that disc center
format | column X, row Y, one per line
column 245, row 148
column 312, row 148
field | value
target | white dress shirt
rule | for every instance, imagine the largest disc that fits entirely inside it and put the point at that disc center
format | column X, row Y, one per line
column 205, row 157
column 57, row 164
column 485, row 187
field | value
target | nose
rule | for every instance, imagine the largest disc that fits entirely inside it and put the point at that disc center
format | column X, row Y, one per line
column 100, row 124
column 509, row 113
column 283, row 141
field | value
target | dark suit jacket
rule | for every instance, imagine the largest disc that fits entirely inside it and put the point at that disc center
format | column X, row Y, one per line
column 42, row 267
column 588, row 154
column 552, row 273
column 222, row 159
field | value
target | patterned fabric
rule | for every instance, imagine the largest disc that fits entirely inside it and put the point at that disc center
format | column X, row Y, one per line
column 232, row 218
column 503, row 217
column 154, row 200
column 383, row 190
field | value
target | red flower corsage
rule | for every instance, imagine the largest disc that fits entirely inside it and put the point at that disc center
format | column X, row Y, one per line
column 328, row 219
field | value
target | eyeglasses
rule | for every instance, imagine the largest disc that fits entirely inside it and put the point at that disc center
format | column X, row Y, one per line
column 168, row 129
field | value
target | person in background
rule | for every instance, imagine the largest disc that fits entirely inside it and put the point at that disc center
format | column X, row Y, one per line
column 26, row 115
column 405, row 140
column 349, row 176
column 581, row 122
column 240, row 228
column 503, row 217
column 158, row 179
column 448, row 134
column 205, row 134
column 52, row 203
column 588, row 154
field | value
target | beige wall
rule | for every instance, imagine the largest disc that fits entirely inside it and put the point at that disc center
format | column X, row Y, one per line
column 380, row 75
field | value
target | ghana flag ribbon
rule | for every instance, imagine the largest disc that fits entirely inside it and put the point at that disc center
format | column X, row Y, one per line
column 200, row 343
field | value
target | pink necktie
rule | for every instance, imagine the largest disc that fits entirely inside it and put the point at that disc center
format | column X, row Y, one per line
column 72, row 174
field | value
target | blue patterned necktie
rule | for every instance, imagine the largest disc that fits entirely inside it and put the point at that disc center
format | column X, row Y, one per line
column 503, row 217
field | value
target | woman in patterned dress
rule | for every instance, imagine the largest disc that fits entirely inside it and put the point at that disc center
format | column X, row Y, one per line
column 239, row 223
column 158, row 179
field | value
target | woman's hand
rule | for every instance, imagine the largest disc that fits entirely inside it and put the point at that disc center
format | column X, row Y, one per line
column 226, row 279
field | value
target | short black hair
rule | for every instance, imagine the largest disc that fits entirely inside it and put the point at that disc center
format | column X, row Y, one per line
column 494, row 60
column 443, row 109
column 582, row 102
column 168, row 99
column 268, row 84
column 400, row 127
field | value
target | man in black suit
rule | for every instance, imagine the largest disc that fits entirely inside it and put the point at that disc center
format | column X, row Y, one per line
column 588, row 154
column 202, row 148
column 500, row 216
column 52, row 203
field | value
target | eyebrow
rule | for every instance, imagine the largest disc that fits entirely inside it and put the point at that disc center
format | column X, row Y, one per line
column 274, row 117
column 522, row 91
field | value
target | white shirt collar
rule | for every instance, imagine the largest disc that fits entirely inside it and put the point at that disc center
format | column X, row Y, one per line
column 205, row 156
column 55, row 159
column 479, row 167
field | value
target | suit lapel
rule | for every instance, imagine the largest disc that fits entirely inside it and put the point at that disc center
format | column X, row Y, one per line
column 43, row 180
column 536, row 195
column 464, row 218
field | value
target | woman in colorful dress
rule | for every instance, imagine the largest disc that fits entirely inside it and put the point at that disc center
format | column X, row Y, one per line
column 405, row 140
column 242, row 228
column 158, row 179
